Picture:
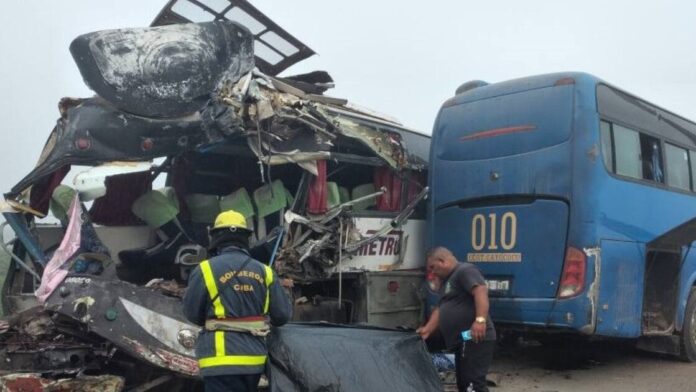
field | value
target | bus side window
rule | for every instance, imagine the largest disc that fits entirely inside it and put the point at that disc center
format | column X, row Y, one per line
column 629, row 153
column 607, row 146
column 692, row 161
column 677, row 161
column 651, row 158
column 627, row 148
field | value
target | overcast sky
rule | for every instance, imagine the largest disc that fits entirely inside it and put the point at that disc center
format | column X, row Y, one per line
column 400, row 58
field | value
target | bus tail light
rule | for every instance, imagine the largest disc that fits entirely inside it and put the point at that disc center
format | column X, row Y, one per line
column 573, row 275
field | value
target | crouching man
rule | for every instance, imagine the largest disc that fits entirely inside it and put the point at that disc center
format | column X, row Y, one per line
column 233, row 297
column 463, row 307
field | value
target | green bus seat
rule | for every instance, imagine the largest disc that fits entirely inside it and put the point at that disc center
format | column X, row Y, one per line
column 239, row 201
column 203, row 208
column 270, row 198
column 60, row 202
column 361, row 191
column 157, row 207
column 344, row 193
column 333, row 195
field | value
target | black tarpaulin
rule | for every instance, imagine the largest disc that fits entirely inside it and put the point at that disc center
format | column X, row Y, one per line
column 329, row 358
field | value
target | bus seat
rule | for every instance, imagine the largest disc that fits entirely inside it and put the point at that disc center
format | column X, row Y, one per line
column 333, row 194
column 60, row 202
column 391, row 199
column 157, row 207
column 270, row 198
column 203, row 208
column 344, row 194
column 364, row 190
column 160, row 210
column 239, row 201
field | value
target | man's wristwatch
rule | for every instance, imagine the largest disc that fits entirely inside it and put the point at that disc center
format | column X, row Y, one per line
column 480, row 320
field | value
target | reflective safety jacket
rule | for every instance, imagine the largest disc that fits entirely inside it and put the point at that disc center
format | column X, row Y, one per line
column 224, row 287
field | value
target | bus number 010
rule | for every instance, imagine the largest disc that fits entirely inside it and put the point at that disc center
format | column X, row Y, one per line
column 508, row 231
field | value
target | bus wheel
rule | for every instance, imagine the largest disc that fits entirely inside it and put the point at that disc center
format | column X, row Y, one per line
column 688, row 335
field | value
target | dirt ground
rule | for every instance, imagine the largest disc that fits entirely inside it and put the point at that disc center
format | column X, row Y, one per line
column 597, row 366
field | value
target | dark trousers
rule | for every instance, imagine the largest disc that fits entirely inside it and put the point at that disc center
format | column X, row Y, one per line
column 471, row 361
column 232, row 383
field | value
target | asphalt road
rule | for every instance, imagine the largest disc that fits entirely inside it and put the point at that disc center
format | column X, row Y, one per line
column 598, row 366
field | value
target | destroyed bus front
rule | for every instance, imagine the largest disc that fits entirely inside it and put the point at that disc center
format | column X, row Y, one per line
column 334, row 194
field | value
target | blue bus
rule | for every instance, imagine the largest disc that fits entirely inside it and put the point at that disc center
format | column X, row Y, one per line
column 574, row 198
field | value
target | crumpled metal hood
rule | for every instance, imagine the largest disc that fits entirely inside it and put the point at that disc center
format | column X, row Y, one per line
column 166, row 71
column 92, row 131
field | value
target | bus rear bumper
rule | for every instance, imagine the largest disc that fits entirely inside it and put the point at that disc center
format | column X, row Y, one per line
column 574, row 314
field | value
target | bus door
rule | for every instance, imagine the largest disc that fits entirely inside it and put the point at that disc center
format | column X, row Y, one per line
column 663, row 267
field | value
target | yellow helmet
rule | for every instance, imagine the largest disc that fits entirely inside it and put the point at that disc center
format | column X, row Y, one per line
column 231, row 220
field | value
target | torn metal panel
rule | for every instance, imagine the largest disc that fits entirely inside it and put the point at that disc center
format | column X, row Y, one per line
column 393, row 224
column 163, row 328
column 138, row 320
column 316, row 82
column 386, row 146
column 166, row 71
column 95, row 132
column 162, row 358
column 33, row 340
column 315, row 251
column 281, row 120
column 34, row 382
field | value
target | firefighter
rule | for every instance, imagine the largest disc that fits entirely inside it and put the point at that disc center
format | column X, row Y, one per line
column 234, row 298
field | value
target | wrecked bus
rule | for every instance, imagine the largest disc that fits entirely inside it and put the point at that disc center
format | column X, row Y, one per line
column 190, row 119
column 570, row 193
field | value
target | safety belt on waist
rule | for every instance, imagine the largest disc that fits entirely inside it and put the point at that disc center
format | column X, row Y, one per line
column 256, row 326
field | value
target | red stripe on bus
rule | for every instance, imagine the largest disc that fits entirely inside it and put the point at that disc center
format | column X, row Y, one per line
column 497, row 132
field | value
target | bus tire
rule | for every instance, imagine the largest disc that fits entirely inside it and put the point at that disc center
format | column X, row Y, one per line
column 688, row 333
